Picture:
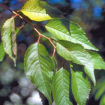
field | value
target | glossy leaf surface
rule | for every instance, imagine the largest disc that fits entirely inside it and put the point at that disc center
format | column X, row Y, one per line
column 69, row 31
column 38, row 67
column 80, row 87
column 61, row 88
column 76, row 54
column 33, row 10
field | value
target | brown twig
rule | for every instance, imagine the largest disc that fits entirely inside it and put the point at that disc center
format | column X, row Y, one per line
column 39, row 38
column 21, row 27
column 26, row 20
column 41, row 35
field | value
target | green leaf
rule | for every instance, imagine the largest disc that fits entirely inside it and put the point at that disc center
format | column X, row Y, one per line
column 80, row 87
column 60, row 88
column 8, row 35
column 38, row 67
column 102, row 102
column 97, row 61
column 76, row 54
column 69, row 31
column 33, row 10
column 2, row 53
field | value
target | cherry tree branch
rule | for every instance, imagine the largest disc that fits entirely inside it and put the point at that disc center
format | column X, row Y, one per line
column 30, row 23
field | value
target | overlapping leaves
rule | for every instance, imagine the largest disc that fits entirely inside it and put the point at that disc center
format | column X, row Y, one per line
column 64, row 30
column 73, row 47
column 76, row 53
column 71, row 44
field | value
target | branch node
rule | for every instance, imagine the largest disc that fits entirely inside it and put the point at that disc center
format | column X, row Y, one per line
column 26, row 20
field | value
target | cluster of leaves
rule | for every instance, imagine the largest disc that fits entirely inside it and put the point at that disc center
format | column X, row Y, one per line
column 71, row 44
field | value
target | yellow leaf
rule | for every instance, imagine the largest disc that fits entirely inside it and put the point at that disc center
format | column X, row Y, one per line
column 34, row 11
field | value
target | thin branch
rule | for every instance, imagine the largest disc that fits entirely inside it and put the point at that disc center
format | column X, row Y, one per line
column 39, row 38
column 41, row 35
column 26, row 20
column 21, row 27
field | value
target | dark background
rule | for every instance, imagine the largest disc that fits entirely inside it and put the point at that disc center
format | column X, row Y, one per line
column 15, row 88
